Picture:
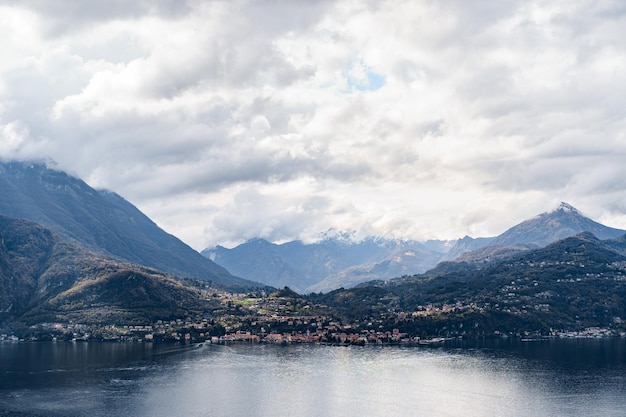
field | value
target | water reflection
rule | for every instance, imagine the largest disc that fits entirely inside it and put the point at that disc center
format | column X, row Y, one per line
column 551, row 378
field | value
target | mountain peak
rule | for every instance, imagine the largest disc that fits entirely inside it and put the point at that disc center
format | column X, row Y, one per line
column 567, row 208
column 558, row 224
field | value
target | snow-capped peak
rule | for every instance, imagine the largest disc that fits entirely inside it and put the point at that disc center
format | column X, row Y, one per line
column 567, row 208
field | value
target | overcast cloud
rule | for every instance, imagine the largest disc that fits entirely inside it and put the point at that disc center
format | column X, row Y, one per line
column 227, row 120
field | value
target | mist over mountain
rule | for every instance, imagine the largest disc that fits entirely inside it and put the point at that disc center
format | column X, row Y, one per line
column 341, row 262
column 101, row 221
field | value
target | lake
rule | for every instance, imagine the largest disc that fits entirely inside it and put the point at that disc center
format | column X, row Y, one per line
column 495, row 378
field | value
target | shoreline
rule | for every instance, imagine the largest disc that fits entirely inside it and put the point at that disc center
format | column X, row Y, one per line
column 417, row 342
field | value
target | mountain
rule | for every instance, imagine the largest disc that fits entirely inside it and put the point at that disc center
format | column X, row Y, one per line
column 46, row 279
column 405, row 259
column 328, row 264
column 572, row 284
column 539, row 231
column 549, row 227
column 466, row 244
column 101, row 221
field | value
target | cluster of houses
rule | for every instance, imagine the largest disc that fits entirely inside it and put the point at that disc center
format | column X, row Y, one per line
column 319, row 336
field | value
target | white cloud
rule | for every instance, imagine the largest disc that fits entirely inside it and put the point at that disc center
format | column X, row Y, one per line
column 229, row 120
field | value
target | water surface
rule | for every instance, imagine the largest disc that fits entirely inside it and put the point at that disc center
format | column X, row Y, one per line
column 507, row 378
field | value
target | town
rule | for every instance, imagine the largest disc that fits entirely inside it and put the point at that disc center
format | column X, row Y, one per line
column 281, row 317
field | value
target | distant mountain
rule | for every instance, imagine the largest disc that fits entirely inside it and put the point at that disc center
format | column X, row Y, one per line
column 45, row 279
column 406, row 259
column 101, row 221
column 340, row 261
column 466, row 244
column 537, row 232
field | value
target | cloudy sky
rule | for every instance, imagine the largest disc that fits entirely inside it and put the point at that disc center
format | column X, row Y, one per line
column 227, row 120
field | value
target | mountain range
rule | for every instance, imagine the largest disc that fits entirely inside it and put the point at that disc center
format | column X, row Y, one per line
column 334, row 263
column 330, row 263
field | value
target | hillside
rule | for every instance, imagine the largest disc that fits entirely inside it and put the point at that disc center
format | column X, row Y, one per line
column 101, row 221
column 46, row 279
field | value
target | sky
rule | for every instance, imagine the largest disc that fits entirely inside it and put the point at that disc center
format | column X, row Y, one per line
column 284, row 119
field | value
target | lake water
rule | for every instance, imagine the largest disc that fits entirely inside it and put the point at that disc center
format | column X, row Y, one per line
column 502, row 378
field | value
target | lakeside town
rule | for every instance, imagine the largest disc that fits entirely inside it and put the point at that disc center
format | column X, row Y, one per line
column 279, row 318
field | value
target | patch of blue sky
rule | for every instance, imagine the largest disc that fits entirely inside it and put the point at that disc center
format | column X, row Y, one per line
column 356, row 79
column 360, row 77
column 373, row 81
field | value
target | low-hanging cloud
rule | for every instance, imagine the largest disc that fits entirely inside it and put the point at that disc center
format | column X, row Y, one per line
column 231, row 120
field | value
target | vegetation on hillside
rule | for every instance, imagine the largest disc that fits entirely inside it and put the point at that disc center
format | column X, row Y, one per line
column 576, row 283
